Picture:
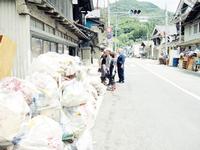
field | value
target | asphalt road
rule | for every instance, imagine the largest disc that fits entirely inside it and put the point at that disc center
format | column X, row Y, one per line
column 158, row 108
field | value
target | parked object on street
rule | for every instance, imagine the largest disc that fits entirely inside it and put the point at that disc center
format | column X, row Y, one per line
column 189, row 60
column 163, row 59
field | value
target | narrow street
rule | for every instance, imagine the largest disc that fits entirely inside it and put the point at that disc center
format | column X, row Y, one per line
column 158, row 108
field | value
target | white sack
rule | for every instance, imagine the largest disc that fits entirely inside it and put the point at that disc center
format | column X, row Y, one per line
column 13, row 113
column 44, row 134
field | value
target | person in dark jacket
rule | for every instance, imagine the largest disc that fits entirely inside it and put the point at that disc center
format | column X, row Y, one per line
column 120, row 66
column 112, row 72
column 103, row 67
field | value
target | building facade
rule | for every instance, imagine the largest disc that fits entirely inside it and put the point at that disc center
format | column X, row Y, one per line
column 163, row 37
column 188, row 23
column 39, row 26
column 187, row 19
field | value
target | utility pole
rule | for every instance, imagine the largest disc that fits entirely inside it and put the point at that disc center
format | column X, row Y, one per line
column 97, row 4
column 110, row 44
column 116, row 26
column 180, row 29
column 116, row 29
column 166, row 25
column 108, row 12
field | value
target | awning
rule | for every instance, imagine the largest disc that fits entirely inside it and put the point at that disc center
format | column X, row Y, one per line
column 90, row 33
column 51, row 11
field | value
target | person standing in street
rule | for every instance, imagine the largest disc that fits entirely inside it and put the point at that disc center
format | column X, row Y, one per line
column 103, row 67
column 112, row 72
column 120, row 66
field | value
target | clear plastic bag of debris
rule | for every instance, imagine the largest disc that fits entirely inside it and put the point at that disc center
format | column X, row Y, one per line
column 55, row 64
column 46, row 101
column 14, row 84
column 77, row 122
column 74, row 94
column 48, row 89
column 43, row 134
column 14, row 112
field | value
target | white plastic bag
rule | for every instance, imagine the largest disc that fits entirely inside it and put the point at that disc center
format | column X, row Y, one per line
column 44, row 134
column 48, row 89
column 13, row 113
column 74, row 94
column 46, row 101
column 55, row 64
column 77, row 122
column 14, row 84
column 47, row 63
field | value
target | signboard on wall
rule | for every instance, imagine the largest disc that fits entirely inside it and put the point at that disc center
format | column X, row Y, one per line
column 109, row 33
column 7, row 54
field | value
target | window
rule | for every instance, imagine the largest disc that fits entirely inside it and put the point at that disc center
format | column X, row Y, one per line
column 37, row 24
column 46, row 46
column 36, row 48
column 195, row 28
column 53, row 2
column 58, row 33
column 33, row 22
column 49, row 29
column 66, row 51
column 60, row 48
column 53, row 47
column 62, row 7
column 199, row 26
column 190, row 30
column 63, row 35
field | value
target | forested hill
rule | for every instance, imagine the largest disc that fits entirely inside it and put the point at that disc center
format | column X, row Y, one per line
column 147, row 8
column 131, row 29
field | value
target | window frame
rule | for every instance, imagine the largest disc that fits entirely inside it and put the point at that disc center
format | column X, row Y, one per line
column 195, row 28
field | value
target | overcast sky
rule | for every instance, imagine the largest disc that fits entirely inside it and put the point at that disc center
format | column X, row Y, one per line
column 171, row 4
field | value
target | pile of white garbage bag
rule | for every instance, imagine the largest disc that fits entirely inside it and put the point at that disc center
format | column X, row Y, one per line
column 54, row 108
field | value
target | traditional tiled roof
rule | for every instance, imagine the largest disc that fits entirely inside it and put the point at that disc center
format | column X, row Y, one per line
column 161, row 30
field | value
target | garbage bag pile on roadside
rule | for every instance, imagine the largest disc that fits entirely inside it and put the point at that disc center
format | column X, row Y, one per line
column 54, row 108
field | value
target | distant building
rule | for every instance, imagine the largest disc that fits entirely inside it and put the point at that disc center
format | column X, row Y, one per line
column 187, row 20
column 94, row 28
column 188, row 23
column 160, row 33
column 148, row 49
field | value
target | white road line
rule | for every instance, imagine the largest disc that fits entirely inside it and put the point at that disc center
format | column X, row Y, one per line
column 172, row 83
